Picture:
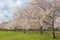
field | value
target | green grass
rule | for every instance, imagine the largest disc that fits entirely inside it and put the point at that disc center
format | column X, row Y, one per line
column 9, row 35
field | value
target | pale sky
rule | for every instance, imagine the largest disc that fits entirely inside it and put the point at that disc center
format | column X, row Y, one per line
column 50, row 0
column 6, row 6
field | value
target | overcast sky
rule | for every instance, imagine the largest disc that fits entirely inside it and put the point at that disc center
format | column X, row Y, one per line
column 6, row 6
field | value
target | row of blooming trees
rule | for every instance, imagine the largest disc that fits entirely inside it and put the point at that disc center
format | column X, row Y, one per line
column 41, row 13
column 38, row 15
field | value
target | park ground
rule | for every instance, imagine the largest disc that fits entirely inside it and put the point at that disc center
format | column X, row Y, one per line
column 10, row 35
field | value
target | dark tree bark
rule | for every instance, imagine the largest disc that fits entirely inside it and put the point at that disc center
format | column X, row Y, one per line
column 53, row 32
column 24, row 31
column 41, row 30
column 53, row 27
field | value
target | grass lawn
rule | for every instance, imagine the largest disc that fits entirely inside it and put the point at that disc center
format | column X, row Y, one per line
column 9, row 35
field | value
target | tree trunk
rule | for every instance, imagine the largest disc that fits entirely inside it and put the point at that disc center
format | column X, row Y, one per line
column 24, row 31
column 53, row 26
column 53, row 30
column 41, row 30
